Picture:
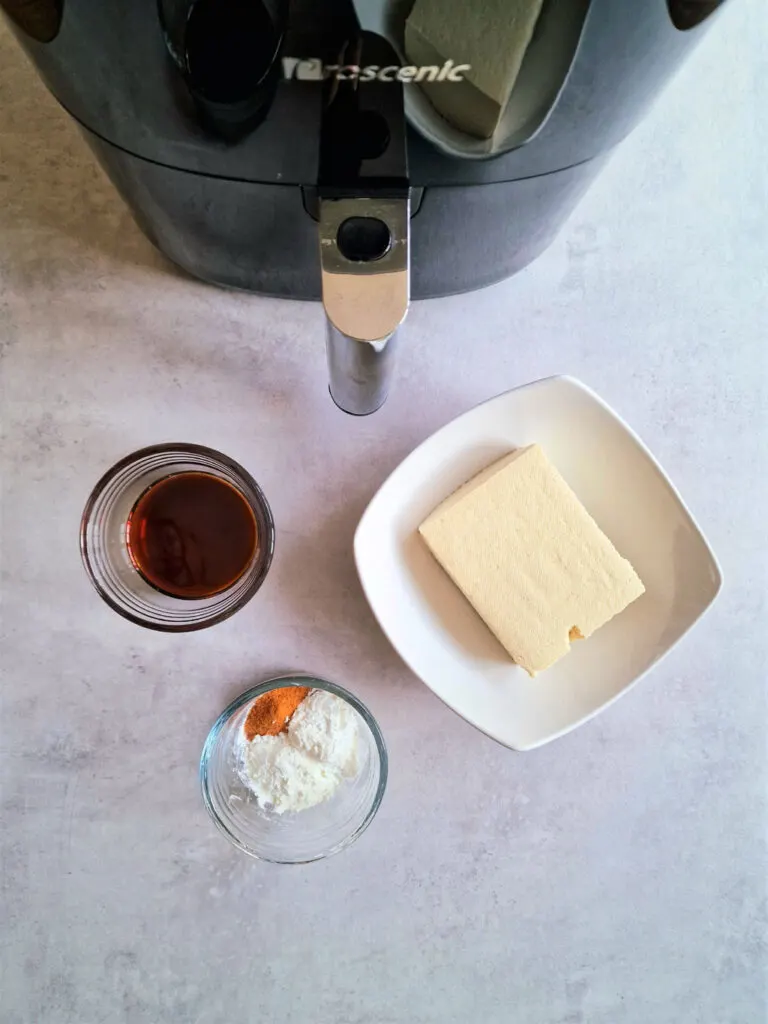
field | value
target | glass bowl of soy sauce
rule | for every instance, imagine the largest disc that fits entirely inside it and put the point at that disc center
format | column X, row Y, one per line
column 177, row 537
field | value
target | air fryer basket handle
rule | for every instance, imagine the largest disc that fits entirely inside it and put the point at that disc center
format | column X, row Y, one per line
column 364, row 224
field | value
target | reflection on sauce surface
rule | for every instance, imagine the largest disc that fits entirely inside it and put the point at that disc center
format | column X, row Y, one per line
column 192, row 535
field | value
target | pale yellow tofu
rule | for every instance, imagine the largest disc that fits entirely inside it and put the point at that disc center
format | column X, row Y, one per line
column 529, row 558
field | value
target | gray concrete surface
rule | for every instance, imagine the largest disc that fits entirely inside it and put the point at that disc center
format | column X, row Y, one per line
column 616, row 876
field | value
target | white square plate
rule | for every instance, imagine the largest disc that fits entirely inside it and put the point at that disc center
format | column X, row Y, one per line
column 437, row 632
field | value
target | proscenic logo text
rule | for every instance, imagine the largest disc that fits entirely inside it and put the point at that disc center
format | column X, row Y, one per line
column 313, row 70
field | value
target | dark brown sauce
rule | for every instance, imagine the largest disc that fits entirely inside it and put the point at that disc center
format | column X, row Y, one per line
column 192, row 535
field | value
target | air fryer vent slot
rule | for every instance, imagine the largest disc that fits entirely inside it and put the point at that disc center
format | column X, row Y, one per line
column 40, row 19
column 687, row 14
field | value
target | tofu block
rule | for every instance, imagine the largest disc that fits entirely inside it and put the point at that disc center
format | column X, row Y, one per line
column 529, row 558
column 491, row 36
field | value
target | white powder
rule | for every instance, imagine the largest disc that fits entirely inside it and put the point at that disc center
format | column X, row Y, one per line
column 285, row 777
column 325, row 726
column 304, row 765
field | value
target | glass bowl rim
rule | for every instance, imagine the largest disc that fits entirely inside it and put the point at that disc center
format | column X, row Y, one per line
column 274, row 683
column 182, row 447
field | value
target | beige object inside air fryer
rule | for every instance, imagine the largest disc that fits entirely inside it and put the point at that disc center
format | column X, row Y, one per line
column 491, row 36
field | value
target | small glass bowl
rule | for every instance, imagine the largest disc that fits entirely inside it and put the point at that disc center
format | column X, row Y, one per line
column 292, row 837
column 104, row 548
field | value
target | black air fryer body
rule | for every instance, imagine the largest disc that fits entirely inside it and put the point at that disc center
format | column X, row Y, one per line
column 220, row 160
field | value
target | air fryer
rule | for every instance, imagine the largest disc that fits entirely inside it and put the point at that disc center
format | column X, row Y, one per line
column 309, row 149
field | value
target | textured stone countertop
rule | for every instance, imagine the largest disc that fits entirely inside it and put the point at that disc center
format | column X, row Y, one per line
column 616, row 876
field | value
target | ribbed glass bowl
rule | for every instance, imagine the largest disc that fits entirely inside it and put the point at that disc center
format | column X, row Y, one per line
column 292, row 837
column 104, row 546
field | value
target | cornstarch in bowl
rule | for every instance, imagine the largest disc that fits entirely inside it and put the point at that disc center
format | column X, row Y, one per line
column 294, row 769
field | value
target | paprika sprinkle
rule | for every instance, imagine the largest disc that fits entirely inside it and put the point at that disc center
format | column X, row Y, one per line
column 271, row 712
